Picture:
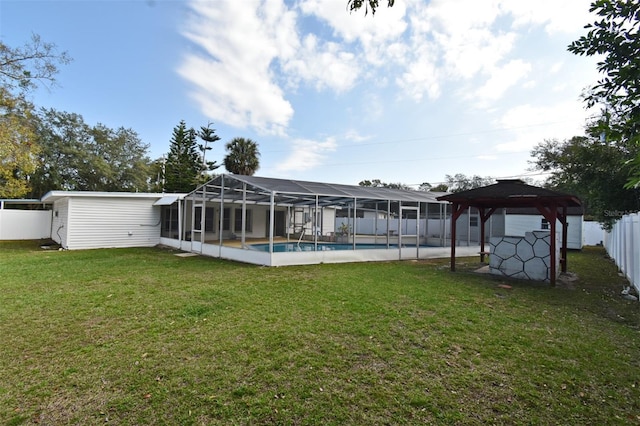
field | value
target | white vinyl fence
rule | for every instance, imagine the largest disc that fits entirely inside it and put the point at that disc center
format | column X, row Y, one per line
column 25, row 224
column 623, row 245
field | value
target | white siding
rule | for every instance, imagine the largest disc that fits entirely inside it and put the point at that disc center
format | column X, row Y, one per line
column 103, row 222
column 517, row 224
column 25, row 224
column 60, row 222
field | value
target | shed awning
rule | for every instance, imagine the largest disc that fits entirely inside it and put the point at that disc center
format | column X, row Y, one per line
column 167, row 200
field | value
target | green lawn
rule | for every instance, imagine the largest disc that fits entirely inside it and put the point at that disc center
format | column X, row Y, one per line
column 141, row 336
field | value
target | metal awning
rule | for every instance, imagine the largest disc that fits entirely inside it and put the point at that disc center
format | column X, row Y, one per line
column 167, row 200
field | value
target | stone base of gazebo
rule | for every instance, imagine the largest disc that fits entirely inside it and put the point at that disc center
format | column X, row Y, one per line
column 527, row 257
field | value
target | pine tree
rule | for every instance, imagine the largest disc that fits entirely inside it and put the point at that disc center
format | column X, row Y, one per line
column 184, row 165
column 208, row 136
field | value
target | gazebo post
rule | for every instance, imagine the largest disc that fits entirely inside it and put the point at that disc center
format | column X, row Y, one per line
column 565, row 230
column 453, row 237
column 484, row 215
column 553, row 236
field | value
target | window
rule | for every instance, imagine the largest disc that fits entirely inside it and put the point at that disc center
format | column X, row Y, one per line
column 226, row 220
column 238, row 221
column 544, row 224
column 169, row 218
column 473, row 221
column 197, row 219
column 208, row 219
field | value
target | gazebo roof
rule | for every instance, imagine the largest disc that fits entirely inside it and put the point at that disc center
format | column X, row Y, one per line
column 511, row 193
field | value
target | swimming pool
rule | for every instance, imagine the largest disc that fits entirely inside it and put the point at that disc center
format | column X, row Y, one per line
column 295, row 247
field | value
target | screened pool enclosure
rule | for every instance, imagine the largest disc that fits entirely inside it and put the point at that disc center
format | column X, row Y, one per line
column 278, row 222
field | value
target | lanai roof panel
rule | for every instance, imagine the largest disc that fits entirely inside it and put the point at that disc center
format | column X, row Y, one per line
column 328, row 191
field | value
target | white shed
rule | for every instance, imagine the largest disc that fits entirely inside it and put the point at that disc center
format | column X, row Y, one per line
column 518, row 221
column 87, row 220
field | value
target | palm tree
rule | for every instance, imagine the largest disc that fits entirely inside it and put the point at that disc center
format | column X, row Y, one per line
column 242, row 157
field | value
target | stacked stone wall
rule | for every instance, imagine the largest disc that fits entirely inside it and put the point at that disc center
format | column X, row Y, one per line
column 527, row 257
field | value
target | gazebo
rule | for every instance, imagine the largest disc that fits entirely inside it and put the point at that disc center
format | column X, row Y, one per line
column 514, row 193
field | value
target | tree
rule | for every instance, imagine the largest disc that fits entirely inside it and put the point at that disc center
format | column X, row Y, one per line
column 184, row 166
column 460, row 182
column 76, row 156
column 208, row 135
column 593, row 170
column 355, row 5
column 441, row 187
column 120, row 158
column 156, row 174
column 377, row 183
column 20, row 71
column 17, row 145
column 242, row 157
column 615, row 36
column 23, row 67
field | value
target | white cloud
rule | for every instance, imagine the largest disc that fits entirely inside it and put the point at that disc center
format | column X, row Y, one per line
column 487, row 157
column 231, row 69
column 249, row 54
column 502, row 78
column 355, row 136
column 306, row 154
column 567, row 16
column 530, row 125
column 323, row 65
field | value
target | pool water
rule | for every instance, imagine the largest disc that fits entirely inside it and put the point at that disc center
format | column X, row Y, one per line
column 295, row 247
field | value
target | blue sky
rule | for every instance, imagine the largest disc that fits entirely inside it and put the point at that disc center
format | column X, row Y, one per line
column 421, row 90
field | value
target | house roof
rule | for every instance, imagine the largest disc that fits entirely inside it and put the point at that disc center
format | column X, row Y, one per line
column 296, row 192
column 52, row 196
column 511, row 193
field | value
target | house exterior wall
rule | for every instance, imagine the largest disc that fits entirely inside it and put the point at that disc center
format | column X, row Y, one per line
column 517, row 224
column 109, row 222
column 258, row 215
column 24, row 224
column 60, row 221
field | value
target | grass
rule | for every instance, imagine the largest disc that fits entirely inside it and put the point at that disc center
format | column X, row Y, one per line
column 140, row 336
